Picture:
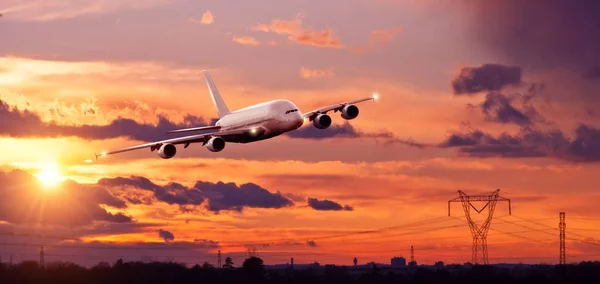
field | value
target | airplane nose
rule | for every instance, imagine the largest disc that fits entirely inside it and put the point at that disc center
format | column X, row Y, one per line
column 299, row 120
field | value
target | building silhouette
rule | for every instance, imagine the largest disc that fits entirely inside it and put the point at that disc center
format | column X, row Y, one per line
column 398, row 262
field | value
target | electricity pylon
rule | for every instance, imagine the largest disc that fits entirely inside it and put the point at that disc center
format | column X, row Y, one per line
column 479, row 233
column 562, row 226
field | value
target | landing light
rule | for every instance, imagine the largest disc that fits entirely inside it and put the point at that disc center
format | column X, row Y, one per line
column 375, row 96
column 253, row 131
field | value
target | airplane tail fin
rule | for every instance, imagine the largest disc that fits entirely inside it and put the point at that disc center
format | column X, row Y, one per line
column 222, row 109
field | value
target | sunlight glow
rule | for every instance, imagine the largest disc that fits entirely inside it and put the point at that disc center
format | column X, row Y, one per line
column 49, row 174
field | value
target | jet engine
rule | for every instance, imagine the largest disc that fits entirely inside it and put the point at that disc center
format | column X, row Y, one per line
column 322, row 121
column 167, row 151
column 349, row 112
column 215, row 144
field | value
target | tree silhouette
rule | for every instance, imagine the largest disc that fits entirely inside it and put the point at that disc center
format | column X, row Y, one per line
column 253, row 271
column 254, row 268
column 207, row 265
column 228, row 263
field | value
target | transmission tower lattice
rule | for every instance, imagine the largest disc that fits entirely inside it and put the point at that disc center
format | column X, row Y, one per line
column 562, row 226
column 479, row 233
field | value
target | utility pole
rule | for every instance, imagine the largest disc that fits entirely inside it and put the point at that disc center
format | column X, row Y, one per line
column 479, row 233
column 562, row 226
column 219, row 260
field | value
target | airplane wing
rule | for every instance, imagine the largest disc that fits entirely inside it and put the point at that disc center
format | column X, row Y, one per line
column 195, row 129
column 181, row 140
column 337, row 107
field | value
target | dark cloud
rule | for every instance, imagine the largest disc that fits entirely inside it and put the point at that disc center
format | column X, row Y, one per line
column 487, row 77
column 206, row 243
column 218, row 196
column 166, row 235
column 327, row 205
column 584, row 146
column 23, row 123
column 311, row 243
column 498, row 107
column 172, row 193
column 229, row 196
column 295, row 197
column 345, row 130
column 540, row 33
column 24, row 201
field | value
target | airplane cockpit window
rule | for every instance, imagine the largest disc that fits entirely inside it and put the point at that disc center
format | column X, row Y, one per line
column 292, row 110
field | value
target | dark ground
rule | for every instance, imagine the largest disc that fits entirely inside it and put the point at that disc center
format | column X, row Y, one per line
column 253, row 271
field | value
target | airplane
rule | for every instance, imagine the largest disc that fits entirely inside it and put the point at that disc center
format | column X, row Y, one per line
column 246, row 125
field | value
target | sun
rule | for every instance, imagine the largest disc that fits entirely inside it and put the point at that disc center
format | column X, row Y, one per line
column 49, row 174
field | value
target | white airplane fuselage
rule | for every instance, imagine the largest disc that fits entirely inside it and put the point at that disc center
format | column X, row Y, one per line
column 271, row 119
column 250, row 124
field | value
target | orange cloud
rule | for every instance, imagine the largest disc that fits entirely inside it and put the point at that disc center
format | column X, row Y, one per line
column 312, row 73
column 207, row 19
column 378, row 37
column 299, row 34
column 246, row 40
column 383, row 37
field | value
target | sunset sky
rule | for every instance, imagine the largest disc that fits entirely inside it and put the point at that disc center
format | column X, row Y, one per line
column 475, row 96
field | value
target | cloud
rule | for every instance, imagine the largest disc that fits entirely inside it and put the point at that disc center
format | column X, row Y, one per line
column 314, row 73
column 584, row 146
column 311, row 243
column 299, row 34
column 246, row 40
column 23, row 123
column 345, row 130
column 498, row 107
column 539, row 33
column 218, row 196
column 207, row 19
column 324, row 38
column 383, row 37
column 24, row 201
column 229, row 196
column 171, row 193
column 487, row 77
column 40, row 10
column 166, row 235
column 293, row 196
column 327, row 205
column 28, row 124
column 206, row 243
